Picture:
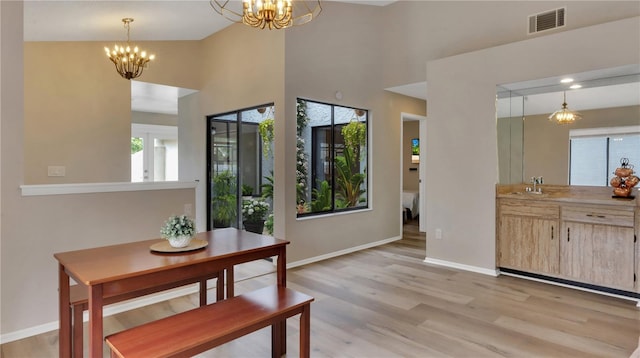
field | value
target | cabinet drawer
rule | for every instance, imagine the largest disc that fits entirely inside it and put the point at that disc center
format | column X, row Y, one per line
column 529, row 208
column 598, row 215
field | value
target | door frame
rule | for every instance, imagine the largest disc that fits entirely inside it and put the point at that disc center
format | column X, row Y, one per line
column 422, row 135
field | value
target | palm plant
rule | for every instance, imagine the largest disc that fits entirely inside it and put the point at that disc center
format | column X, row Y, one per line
column 321, row 198
column 348, row 179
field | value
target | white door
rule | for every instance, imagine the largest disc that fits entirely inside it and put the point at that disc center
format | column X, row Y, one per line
column 154, row 153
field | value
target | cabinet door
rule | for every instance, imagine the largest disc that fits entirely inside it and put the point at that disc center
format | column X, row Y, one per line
column 529, row 244
column 598, row 254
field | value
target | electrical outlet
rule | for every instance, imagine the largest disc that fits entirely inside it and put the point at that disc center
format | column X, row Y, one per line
column 439, row 234
column 188, row 209
column 56, row 171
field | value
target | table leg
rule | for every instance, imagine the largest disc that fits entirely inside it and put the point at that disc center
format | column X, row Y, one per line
column 282, row 281
column 305, row 332
column 95, row 321
column 64, row 332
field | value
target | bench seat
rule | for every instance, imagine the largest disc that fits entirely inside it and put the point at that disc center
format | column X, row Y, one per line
column 188, row 333
column 79, row 302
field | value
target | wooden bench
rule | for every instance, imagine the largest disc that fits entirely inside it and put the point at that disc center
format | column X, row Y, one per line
column 78, row 302
column 188, row 333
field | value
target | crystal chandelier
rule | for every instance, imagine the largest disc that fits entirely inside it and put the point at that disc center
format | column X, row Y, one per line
column 565, row 115
column 129, row 64
column 272, row 14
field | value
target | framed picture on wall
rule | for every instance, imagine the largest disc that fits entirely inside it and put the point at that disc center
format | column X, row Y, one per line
column 415, row 151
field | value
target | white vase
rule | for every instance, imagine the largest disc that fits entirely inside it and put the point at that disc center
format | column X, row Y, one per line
column 179, row 241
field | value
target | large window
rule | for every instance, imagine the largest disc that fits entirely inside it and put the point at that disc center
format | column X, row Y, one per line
column 331, row 170
column 240, row 164
column 596, row 153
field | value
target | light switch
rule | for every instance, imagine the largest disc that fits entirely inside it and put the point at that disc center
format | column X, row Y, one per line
column 56, row 170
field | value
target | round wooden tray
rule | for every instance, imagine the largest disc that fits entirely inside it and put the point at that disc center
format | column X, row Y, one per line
column 164, row 246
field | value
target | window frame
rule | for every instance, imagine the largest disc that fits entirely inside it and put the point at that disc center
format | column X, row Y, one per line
column 332, row 127
column 606, row 133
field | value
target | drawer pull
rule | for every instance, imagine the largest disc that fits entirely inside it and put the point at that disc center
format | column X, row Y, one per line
column 598, row 216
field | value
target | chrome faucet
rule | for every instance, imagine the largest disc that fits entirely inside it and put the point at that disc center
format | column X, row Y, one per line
column 537, row 181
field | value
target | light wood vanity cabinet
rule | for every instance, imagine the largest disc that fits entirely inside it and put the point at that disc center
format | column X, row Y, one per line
column 598, row 246
column 578, row 234
column 528, row 236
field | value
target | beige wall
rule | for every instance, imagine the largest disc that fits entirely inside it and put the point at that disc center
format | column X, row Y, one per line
column 316, row 69
column 42, row 225
column 236, row 77
column 466, row 134
column 410, row 178
column 419, row 31
column 79, row 115
column 546, row 145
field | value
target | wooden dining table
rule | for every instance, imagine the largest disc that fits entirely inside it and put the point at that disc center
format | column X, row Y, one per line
column 133, row 267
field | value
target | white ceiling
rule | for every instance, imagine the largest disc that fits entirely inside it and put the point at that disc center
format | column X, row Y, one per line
column 605, row 88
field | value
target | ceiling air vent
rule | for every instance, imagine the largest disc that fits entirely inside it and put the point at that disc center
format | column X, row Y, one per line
column 546, row 20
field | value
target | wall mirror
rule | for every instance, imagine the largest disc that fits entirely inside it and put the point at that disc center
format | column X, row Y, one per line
column 531, row 145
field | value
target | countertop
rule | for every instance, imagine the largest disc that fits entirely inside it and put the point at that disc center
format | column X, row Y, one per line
column 568, row 194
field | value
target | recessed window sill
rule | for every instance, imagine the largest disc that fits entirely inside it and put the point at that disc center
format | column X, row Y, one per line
column 85, row 188
column 339, row 213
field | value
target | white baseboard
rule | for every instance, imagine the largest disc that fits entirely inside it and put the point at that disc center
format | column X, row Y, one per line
column 170, row 294
column 460, row 266
column 341, row 252
column 108, row 311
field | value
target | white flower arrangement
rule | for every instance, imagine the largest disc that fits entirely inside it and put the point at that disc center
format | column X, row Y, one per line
column 254, row 210
column 178, row 225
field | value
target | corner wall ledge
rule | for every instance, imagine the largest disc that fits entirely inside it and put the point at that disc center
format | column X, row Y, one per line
column 85, row 188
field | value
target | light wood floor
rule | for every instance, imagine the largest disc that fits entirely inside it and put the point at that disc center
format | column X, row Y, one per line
column 385, row 302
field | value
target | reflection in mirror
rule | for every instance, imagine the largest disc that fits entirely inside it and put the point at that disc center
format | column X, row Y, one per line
column 510, row 137
column 529, row 144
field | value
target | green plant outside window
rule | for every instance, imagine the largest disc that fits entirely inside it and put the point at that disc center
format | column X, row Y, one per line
column 332, row 143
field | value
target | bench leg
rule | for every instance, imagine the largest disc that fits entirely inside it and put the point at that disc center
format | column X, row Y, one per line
column 230, row 282
column 203, row 293
column 220, row 287
column 77, row 331
column 305, row 332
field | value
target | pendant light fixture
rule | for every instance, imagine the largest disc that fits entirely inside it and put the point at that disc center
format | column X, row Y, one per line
column 129, row 62
column 271, row 14
column 564, row 115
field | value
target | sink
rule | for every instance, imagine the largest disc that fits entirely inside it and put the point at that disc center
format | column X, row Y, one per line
column 527, row 193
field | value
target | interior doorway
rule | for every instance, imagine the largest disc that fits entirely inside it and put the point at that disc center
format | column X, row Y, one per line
column 412, row 171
